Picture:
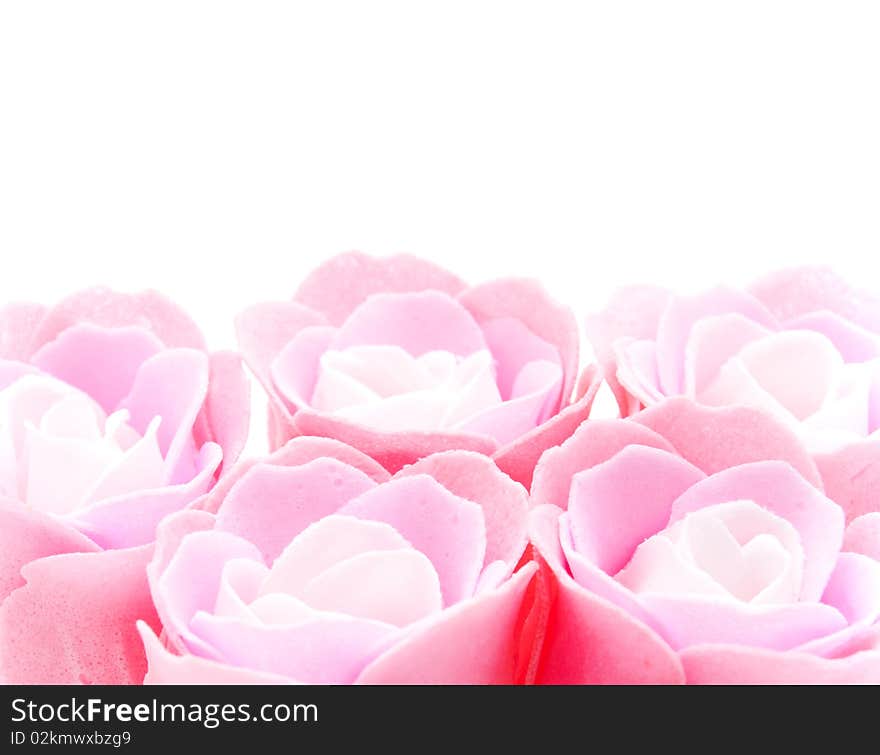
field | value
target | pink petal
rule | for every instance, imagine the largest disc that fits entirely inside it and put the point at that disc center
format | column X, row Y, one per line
column 729, row 664
column 854, row 588
column 778, row 488
column 633, row 312
column 131, row 519
column 504, row 502
column 618, row 503
column 11, row 371
column 19, row 322
column 852, row 476
column 591, row 444
column 714, row 439
column 679, row 318
column 166, row 668
column 169, row 535
column 417, row 322
column 295, row 369
column 111, row 309
column 270, row 505
column 526, row 301
column 473, row 642
column 392, row 450
column 801, row 290
column 636, row 371
column 518, row 459
column 102, row 362
column 514, row 346
column 27, row 535
column 74, row 620
column 698, row 619
column 863, row 536
column 449, row 530
column 855, row 343
column 337, row 287
column 329, row 650
column 226, row 413
column 172, row 385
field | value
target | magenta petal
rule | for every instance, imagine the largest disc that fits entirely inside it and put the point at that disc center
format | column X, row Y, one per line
column 730, row 664
column 167, row 668
column 74, row 620
column 854, row 588
column 863, row 536
column 417, row 322
column 473, row 642
column 591, row 444
column 617, row 504
column 270, row 505
column 782, row 491
column 448, row 529
column 102, row 362
column 26, row 535
column 19, row 322
column 714, row 439
column 504, row 503
column 111, row 309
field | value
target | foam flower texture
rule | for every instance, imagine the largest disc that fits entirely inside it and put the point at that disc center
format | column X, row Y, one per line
column 400, row 359
column 672, row 554
column 314, row 565
column 800, row 344
column 112, row 415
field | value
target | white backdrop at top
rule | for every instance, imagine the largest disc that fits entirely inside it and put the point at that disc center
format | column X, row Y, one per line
column 219, row 150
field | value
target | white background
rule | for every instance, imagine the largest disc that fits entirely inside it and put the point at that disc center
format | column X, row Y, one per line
column 219, row 150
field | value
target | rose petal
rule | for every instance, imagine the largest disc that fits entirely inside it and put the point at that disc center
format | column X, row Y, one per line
column 18, row 324
column 863, row 536
column 852, row 476
column 854, row 343
column 854, row 588
column 295, row 370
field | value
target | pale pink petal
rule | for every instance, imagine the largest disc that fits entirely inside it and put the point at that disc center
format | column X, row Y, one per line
column 100, row 361
column 636, row 371
column 166, row 668
column 778, row 488
column 526, row 301
column 19, row 322
column 852, row 476
column 473, row 642
column 855, row 343
column 270, row 505
column 618, row 503
column 26, row 535
column 712, row 341
column 518, row 459
column 111, row 309
column 329, row 650
column 591, row 444
column 417, row 322
column 239, row 588
column 338, row 286
column 10, row 371
column 863, row 536
column 225, row 415
column 295, row 369
column 729, row 664
column 717, row 438
column 169, row 535
column 513, row 345
column 172, row 385
column 74, row 620
column 680, row 316
column 698, row 619
column 854, row 588
column 503, row 501
column 448, row 529
column 797, row 291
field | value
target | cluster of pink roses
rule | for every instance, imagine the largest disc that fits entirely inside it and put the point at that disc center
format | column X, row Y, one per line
column 438, row 507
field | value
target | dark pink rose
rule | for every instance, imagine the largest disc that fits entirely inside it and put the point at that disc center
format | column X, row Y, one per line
column 694, row 544
column 800, row 344
column 316, row 566
column 112, row 415
column 401, row 359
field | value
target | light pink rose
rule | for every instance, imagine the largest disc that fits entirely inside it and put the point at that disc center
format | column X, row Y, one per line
column 800, row 344
column 316, row 566
column 669, row 554
column 401, row 359
column 112, row 415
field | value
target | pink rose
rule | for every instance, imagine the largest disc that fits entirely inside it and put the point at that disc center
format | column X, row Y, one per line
column 800, row 344
column 112, row 415
column 400, row 359
column 669, row 555
column 316, row 566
